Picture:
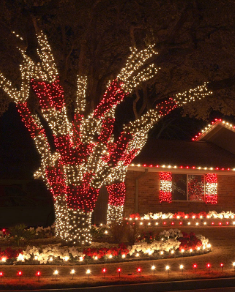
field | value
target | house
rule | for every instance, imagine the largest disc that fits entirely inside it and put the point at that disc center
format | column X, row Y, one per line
column 186, row 176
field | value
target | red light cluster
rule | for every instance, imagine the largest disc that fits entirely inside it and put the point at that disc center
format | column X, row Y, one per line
column 165, row 196
column 82, row 197
column 113, row 95
column 117, row 192
column 28, row 120
column 211, row 198
column 50, row 95
column 166, row 107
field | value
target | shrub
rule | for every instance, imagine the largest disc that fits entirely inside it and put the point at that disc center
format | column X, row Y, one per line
column 20, row 233
column 189, row 241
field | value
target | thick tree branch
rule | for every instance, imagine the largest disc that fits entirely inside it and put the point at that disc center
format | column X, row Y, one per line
column 135, row 103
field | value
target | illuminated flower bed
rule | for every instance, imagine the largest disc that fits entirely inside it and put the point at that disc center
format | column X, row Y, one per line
column 169, row 243
column 9, row 253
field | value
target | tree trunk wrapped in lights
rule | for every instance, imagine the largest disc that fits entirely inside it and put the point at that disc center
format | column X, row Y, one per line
column 116, row 200
column 86, row 154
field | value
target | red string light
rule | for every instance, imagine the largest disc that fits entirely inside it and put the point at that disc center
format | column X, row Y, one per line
column 166, row 106
column 28, row 120
column 165, row 194
column 69, row 153
column 55, row 177
column 117, row 192
column 82, row 197
column 50, row 95
column 211, row 196
column 113, row 95
column 118, row 153
column 107, row 130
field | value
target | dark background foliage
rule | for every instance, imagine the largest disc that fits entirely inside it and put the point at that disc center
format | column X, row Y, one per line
column 195, row 40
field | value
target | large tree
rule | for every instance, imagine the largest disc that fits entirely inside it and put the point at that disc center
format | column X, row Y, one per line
column 84, row 153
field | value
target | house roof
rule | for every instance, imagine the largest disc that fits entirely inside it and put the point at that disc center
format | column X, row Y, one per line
column 184, row 153
column 220, row 133
column 213, row 148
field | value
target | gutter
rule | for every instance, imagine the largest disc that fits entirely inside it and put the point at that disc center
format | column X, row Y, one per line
column 137, row 190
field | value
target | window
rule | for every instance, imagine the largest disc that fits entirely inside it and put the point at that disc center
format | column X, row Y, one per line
column 196, row 187
column 188, row 187
column 179, row 187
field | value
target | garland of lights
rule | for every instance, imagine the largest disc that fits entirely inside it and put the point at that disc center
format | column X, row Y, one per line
column 211, row 126
column 86, row 155
column 197, row 168
column 182, row 215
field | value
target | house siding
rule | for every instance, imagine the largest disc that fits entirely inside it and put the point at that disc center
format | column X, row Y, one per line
column 226, row 193
column 148, row 196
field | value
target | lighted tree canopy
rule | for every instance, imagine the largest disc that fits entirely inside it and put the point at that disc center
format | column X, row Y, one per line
column 85, row 153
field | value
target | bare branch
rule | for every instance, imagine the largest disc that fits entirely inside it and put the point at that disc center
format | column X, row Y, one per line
column 135, row 103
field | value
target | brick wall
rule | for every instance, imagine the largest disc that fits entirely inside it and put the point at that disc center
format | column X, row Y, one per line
column 148, row 192
column 226, row 192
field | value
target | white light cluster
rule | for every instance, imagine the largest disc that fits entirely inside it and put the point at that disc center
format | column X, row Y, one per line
column 144, row 123
column 192, row 94
column 211, row 188
column 134, row 62
column 17, row 35
column 46, row 58
column 114, row 214
column 81, row 93
column 60, row 123
column 26, row 70
column 117, row 173
column 166, row 186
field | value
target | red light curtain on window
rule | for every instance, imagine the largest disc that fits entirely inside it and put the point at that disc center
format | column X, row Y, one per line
column 211, row 196
column 165, row 194
column 196, row 188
